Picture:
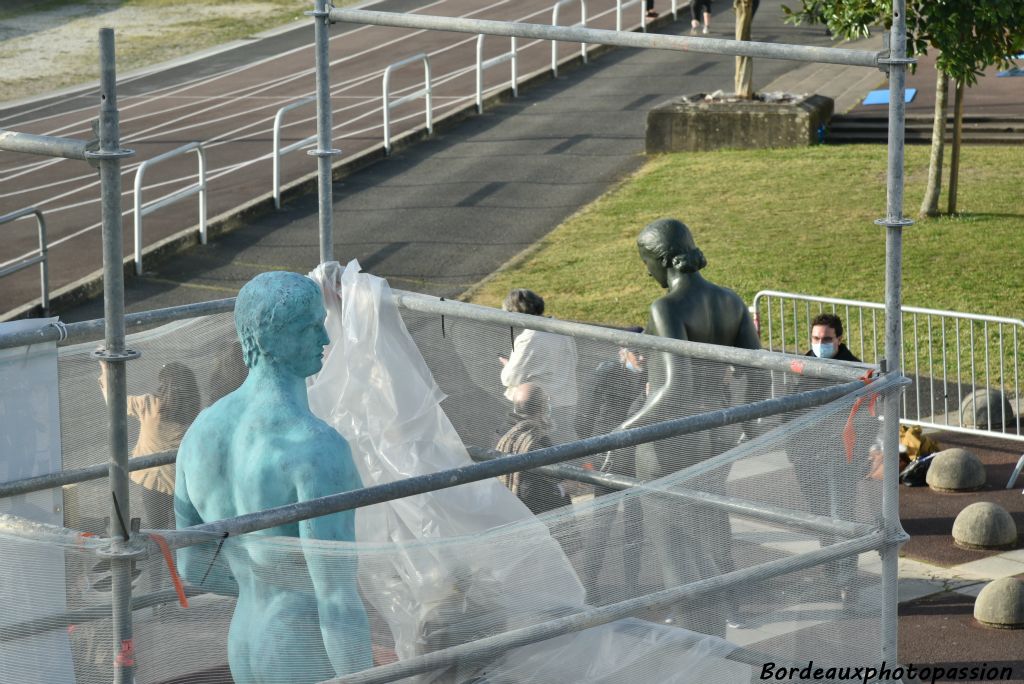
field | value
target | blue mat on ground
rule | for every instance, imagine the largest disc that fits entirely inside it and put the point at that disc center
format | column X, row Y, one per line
column 881, row 97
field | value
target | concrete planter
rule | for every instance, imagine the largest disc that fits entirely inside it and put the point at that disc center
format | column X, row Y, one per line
column 690, row 123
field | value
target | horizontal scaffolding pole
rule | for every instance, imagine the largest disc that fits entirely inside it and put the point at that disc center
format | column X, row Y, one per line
column 303, row 510
column 808, row 366
column 46, row 145
column 77, row 475
column 483, row 650
column 730, row 504
column 576, row 34
column 46, row 623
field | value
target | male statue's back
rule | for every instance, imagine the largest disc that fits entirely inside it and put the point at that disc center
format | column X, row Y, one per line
column 299, row 617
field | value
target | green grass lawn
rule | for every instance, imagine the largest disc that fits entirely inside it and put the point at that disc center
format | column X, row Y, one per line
column 797, row 220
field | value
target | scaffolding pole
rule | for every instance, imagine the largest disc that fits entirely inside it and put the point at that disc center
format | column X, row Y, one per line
column 576, row 34
column 113, row 357
column 303, row 510
column 807, row 366
column 730, row 504
column 324, row 153
column 894, row 222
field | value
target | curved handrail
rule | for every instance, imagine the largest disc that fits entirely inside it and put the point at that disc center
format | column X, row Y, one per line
column 279, row 151
column 554, row 22
column 41, row 258
column 426, row 92
column 199, row 188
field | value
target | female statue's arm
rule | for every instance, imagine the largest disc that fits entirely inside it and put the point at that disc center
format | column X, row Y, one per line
column 677, row 375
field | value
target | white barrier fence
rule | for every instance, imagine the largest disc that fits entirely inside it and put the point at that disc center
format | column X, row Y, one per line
column 281, row 151
column 424, row 92
column 38, row 258
column 620, row 5
column 198, row 189
column 554, row 43
column 481, row 65
column 952, row 357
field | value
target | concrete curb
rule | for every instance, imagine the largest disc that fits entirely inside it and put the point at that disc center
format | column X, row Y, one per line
column 91, row 285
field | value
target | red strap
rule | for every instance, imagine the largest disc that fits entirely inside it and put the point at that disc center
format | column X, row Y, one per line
column 169, row 559
column 126, row 656
column 849, row 434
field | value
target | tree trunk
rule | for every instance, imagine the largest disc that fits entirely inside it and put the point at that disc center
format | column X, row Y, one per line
column 930, row 203
column 744, row 79
column 954, row 157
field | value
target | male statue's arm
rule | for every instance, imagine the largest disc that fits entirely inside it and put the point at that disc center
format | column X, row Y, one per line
column 343, row 623
column 202, row 566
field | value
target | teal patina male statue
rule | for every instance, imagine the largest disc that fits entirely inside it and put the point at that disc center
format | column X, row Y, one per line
column 299, row 617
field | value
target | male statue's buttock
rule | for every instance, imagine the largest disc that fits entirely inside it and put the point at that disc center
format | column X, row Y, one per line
column 299, row 617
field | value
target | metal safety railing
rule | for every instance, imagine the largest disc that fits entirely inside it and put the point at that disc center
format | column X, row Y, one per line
column 554, row 22
column 620, row 6
column 198, row 189
column 40, row 258
column 511, row 56
column 425, row 92
column 950, row 356
column 281, row 151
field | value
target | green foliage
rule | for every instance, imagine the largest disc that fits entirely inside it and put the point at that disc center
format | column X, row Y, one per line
column 969, row 36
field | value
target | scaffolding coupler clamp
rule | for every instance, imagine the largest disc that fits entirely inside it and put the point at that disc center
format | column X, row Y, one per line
column 104, row 354
column 333, row 152
column 894, row 223
column 320, row 15
column 884, row 63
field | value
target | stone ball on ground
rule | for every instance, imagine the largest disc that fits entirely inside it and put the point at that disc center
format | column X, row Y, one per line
column 984, row 525
column 986, row 409
column 955, row 470
column 1001, row 604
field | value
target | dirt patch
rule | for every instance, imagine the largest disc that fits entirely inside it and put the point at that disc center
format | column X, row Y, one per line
column 41, row 51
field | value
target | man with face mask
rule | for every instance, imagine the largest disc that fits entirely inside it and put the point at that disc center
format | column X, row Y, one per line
column 830, row 471
column 827, row 339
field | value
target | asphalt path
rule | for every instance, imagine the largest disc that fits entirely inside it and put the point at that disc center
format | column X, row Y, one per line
column 436, row 217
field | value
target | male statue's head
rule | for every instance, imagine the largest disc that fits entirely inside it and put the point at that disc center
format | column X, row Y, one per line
column 667, row 244
column 280, row 321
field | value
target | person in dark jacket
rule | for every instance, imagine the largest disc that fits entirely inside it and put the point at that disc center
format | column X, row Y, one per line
column 617, row 391
column 828, row 482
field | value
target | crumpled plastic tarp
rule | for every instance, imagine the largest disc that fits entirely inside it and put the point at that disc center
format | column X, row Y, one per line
column 376, row 390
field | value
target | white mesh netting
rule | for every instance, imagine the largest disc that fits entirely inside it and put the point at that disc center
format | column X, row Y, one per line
column 484, row 572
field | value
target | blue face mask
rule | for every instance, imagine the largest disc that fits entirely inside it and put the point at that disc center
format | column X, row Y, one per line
column 824, row 350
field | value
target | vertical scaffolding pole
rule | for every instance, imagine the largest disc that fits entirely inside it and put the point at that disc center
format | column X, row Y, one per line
column 324, row 152
column 113, row 357
column 894, row 223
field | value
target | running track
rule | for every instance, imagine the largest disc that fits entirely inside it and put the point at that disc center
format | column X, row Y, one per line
column 228, row 102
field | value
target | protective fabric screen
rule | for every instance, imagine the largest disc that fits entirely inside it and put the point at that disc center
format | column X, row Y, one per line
column 620, row 546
